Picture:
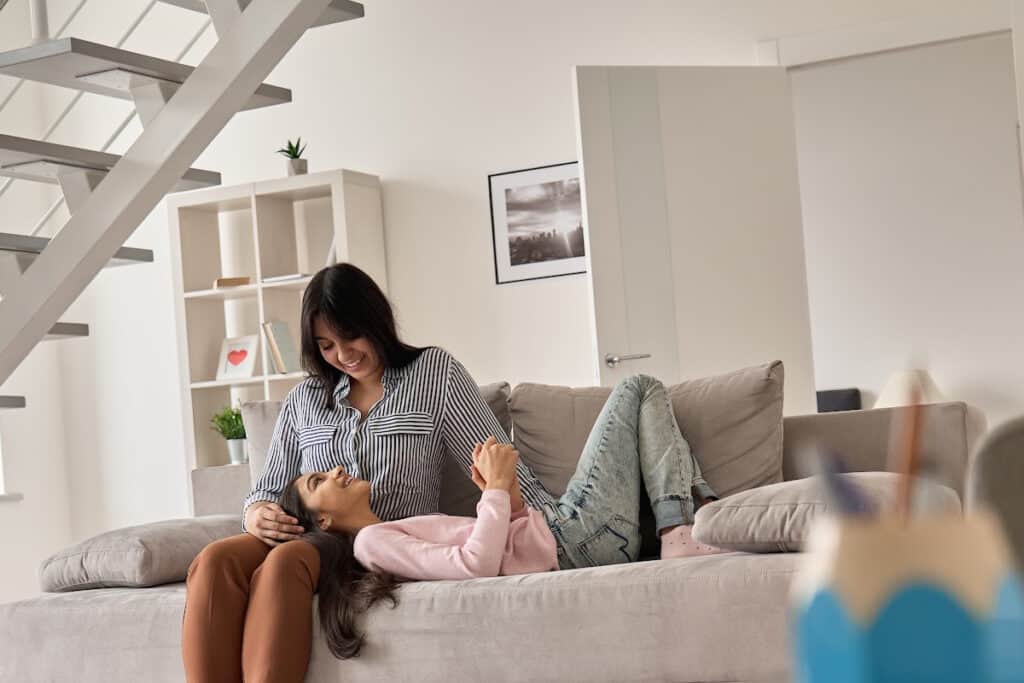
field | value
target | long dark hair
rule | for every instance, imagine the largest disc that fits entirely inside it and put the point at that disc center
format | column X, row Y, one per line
column 352, row 305
column 346, row 588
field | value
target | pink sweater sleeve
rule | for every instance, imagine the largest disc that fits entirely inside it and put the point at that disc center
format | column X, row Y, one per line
column 399, row 553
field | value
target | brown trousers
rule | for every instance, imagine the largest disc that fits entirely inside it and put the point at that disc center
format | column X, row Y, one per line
column 249, row 611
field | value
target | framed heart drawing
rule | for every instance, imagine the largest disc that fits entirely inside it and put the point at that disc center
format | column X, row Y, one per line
column 238, row 357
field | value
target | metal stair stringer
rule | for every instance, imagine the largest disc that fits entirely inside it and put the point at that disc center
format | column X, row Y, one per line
column 219, row 87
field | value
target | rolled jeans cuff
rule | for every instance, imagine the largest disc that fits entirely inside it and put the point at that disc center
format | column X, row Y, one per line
column 704, row 491
column 670, row 512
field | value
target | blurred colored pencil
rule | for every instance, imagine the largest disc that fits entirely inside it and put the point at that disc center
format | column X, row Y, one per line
column 843, row 493
column 908, row 452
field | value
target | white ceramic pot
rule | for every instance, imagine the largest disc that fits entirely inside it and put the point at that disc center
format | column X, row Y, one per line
column 236, row 451
column 297, row 167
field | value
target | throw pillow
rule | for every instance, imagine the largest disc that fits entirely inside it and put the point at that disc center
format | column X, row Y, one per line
column 777, row 518
column 137, row 556
column 733, row 423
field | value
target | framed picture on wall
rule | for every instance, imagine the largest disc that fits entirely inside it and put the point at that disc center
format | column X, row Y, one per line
column 537, row 223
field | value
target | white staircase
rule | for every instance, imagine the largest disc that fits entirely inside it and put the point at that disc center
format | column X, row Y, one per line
column 82, row 65
column 182, row 108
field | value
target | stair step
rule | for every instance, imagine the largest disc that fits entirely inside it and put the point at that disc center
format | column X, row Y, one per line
column 41, row 161
column 67, row 331
column 11, row 402
column 337, row 12
column 82, row 65
column 26, row 244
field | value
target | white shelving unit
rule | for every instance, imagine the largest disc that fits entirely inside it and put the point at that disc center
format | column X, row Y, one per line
column 263, row 230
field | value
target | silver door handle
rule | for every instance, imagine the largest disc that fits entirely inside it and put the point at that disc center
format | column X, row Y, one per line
column 611, row 360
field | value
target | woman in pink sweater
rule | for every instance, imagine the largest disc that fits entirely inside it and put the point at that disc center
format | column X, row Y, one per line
column 634, row 443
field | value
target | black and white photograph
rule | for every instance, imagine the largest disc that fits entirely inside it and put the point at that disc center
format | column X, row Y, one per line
column 537, row 223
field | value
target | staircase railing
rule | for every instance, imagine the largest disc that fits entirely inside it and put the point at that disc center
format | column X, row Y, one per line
column 173, row 136
column 48, row 214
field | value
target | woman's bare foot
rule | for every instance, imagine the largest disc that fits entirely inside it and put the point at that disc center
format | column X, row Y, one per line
column 678, row 542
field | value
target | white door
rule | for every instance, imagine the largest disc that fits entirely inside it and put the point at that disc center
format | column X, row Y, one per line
column 692, row 208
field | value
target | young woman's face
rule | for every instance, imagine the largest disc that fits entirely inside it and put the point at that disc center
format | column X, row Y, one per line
column 335, row 498
column 355, row 357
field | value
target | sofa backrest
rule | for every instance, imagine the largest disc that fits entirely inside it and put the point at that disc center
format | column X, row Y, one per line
column 733, row 423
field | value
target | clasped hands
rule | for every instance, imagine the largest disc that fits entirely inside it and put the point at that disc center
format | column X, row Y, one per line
column 494, row 467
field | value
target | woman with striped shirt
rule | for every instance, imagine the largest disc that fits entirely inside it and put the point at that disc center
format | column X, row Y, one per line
column 385, row 411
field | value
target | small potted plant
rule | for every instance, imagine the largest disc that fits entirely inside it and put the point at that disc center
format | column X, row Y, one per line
column 296, row 164
column 228, row 423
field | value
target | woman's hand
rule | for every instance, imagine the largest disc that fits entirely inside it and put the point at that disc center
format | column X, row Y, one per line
column 271, row 524
column 514, row 493
column 494, row 465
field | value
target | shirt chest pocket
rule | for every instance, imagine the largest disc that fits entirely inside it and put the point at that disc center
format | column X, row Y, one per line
column 317, row 439
column 412, row 426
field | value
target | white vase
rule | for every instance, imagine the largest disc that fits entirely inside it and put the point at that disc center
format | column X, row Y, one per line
column 236, row 451
column 297, row 167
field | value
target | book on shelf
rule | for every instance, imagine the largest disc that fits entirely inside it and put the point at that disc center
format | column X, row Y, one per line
column 285, row 278
column 222, row 282
column 282, row 349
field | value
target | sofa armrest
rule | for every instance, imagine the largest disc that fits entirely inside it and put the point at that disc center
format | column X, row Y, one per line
column 862, row 438
column 997, row 479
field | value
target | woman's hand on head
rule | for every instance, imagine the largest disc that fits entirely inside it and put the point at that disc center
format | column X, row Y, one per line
column 271, row 524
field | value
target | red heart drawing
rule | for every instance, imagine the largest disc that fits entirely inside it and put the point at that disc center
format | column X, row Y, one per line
column 237, row 357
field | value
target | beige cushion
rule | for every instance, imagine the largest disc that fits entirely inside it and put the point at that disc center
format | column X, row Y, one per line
column 733, row 423
column 135, row 557
column 259, row 419
column 459, row 495
column 777, row 518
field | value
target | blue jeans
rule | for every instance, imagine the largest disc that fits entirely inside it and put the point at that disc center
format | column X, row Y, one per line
column 635, row 440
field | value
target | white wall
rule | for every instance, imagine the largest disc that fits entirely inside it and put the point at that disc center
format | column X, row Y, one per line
column 912, row 216
column 433, row 96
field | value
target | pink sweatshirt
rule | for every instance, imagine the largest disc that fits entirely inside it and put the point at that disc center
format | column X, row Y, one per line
column 433, row 547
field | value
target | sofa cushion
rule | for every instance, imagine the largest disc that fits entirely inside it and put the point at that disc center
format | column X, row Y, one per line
column 137, row 556
column 459, row 495
column 778, row 517
column 553, row 626
column 733, row 423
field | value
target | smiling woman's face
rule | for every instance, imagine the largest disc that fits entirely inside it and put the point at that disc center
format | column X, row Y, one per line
column 335, row 498
column 355, row 356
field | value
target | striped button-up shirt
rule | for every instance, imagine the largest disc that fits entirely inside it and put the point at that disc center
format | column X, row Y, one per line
column 431, row 410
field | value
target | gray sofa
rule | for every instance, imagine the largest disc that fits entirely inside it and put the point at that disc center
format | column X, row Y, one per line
column 716, row 618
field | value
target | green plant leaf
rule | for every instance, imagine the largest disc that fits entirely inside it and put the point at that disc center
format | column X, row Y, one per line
column 228, row 423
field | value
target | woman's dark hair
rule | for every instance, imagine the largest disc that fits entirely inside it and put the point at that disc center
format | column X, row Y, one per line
column 346, row 588
column 352, row 305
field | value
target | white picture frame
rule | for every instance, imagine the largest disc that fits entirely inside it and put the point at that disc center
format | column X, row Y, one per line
column 238, row 357
column 537, row 223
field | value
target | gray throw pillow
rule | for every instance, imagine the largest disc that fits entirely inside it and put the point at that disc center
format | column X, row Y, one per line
column 733, row 423
column 137, row 556
column 777, row 518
